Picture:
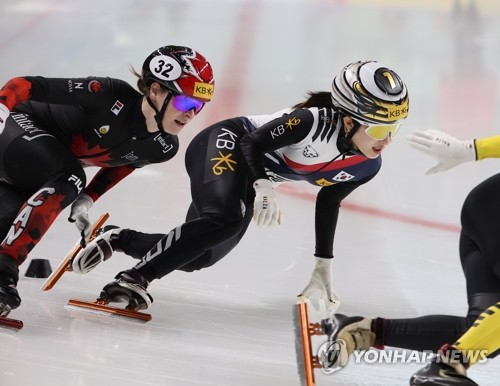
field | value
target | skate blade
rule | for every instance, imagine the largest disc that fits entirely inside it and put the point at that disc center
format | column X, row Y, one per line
column 306, row 361
column 65, row 264
column 102, row 308
column 13, row 324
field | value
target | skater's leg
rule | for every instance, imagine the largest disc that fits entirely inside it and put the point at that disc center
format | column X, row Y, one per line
column 55, row 178
column 49, row 174
column 220, row 198
column 112, row 238
column 479, row 249
column 11, row 199
column 449, row 367
column 217, row 252
column 430, row 332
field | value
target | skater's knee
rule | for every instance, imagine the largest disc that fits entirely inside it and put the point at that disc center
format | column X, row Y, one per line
column 198, row 264
column 231, row 224
column 212, row 255
column 68, row 184
column 480, row 302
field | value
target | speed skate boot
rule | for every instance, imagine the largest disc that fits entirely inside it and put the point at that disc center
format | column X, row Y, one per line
column 447, row 368
column 130, row 287
column 355, row 331
column 98, row 250
column 9, row 274
column 9, row 297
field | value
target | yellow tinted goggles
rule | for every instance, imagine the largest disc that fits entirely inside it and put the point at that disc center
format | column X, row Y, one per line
column 380, row 132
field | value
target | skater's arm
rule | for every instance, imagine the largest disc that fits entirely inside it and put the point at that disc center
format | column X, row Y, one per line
column 278, row 133
column 326, row 214
column 487, row 147
column 14, row 92
column 90, row 91
column 105, row 179
column 327, row 211
column 450, row 151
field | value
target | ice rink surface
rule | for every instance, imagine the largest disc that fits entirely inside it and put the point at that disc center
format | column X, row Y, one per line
column 396, row 246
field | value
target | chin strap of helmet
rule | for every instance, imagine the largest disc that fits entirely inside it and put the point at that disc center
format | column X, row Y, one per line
column 160, row 113
column 344, row 142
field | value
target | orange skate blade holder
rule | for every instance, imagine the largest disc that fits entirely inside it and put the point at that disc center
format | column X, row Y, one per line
column 13, row 324
column 102, row 307
column 65, row 264
column 306, row 361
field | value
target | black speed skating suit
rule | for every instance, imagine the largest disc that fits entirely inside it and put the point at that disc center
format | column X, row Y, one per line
column 56, row 127
column 479, row 249
column 222, row 164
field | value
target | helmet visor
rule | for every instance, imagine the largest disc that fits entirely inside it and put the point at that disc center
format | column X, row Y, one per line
column 184, row 103
column 380, row 132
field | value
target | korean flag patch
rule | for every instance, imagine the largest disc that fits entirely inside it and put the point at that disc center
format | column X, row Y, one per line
column 342, row 176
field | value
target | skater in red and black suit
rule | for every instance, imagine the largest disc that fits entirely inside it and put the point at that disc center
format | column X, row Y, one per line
column 332, row 140
column 51, row 128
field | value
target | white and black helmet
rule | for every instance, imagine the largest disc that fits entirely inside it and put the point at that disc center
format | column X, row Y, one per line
column 371, row 93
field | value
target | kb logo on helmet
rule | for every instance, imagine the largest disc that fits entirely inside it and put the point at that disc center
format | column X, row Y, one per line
column 398, row 112
column 203, row 90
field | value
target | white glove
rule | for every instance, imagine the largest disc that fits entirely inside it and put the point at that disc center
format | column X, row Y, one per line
column 448, row 150
column 321, row 281
column 4, row 114
column 266, row 210
column 80, row 216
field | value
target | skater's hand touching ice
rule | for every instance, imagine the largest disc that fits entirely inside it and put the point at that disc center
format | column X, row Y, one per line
column 321, row 283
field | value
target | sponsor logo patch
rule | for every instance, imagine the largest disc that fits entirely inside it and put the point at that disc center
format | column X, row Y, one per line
column 117, row 107
column 324, row 182
column 94, row 86
column 203, row 90
column 223, row 163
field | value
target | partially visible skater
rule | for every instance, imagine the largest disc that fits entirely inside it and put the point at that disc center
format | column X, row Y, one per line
column 479, row 253
column 449, row 367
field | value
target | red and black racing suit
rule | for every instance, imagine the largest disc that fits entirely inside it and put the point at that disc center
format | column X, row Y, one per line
column 56, row 127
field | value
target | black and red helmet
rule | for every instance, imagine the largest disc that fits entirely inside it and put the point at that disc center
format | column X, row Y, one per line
column 182, row 70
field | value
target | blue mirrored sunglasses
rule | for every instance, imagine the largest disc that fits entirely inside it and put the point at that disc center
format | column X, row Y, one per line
column 184, row 103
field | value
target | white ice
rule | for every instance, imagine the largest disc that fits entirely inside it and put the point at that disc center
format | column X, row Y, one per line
column 397, row 239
